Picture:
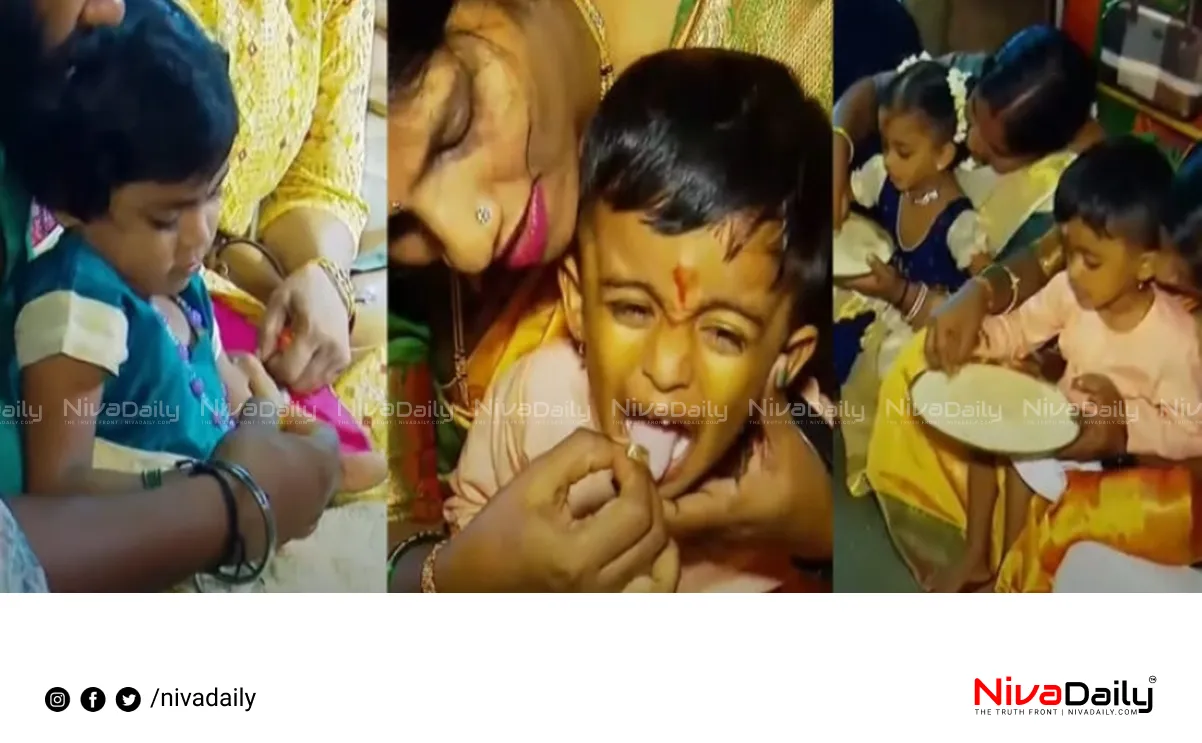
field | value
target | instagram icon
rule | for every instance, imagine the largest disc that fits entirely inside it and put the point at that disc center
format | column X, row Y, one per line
column 57, row 699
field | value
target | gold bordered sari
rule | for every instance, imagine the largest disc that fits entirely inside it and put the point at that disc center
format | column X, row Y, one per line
column 921, row 479
column 1003, row 212
column 795, row 32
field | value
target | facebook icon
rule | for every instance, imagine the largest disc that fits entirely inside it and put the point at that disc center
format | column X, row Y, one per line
column 92, row 699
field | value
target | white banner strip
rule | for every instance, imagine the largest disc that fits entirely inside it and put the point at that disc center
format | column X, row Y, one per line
column 597, row 668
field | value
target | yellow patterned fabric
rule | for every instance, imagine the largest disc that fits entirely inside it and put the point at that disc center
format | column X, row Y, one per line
column 300, row 70
column 795, row 32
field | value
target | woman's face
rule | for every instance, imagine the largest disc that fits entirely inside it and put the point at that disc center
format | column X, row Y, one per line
column 484, row 150
column 987, row 139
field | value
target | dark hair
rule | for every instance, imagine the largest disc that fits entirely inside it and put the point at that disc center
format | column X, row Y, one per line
column 21, row 50
column 149, row 100
column 923, row 88
column 1118, row 188
column 695, row 138
column 1042, row 85
column 417, row 30
column 1183, row 213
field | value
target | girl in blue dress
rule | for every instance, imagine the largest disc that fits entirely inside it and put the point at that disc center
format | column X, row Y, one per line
column 911, row 189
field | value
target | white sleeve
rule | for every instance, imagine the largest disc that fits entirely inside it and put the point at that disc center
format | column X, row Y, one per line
column 70, row 324
column 868, row 181
column 966, row 238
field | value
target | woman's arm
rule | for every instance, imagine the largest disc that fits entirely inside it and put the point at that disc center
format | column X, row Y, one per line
column 153, row 540
column 317, row 211
column 1024, row 274
column 132, row 541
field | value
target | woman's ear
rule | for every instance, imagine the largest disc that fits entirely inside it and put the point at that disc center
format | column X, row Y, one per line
column 572, row 296
column 798, row 350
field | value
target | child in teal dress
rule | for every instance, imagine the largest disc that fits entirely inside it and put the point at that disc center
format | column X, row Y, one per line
column 119, row 369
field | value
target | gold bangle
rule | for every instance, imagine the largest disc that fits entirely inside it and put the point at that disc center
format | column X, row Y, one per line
column 422, row 537
column 1014, row 284
column 342, row 282
column 428, row 568
column 851, row 143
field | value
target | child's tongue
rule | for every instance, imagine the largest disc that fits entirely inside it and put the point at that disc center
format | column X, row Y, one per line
column 659, row 443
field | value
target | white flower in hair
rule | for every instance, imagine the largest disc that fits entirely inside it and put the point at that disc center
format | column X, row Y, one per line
column 910, row 61
column 957, row 83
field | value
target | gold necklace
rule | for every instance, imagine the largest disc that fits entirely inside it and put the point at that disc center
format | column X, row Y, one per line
column 596, row 26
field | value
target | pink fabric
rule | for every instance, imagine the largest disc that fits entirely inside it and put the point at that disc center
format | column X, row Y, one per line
column 1156, row 367
column 238, row 335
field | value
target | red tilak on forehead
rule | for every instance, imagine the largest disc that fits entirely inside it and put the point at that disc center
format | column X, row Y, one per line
column 685, row 279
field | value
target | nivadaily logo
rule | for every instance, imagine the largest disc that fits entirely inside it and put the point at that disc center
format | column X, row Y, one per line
column 1071, row 697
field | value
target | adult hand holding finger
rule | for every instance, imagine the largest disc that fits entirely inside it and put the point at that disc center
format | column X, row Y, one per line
column 783, row 497
column 318, row 348
column 299, row 473
column 636, row 490
column 528, row 539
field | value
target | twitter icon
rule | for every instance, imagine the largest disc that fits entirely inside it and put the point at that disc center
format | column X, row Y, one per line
column 128, row 699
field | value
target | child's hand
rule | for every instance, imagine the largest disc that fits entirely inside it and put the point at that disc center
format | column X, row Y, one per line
column 883, row 283
column 258, row 381
column 237, row 384
column 1104, row 424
